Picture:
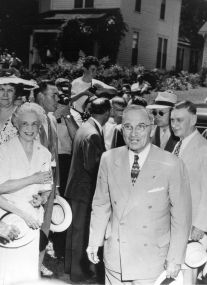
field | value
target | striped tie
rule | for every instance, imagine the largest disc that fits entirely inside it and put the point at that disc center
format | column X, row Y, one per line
column 135, row 169
column 177, row 148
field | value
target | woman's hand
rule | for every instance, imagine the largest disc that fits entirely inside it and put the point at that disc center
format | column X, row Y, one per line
column 30, row 221
column 41, row 177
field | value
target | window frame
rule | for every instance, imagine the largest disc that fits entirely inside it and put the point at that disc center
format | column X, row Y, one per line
column 135, row 47
column 162, row 46
column 162, row 10
column 138, row 6
column 84, row 4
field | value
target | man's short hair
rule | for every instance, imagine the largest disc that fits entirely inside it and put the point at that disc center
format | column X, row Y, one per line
column 100, row 106
column 188, row 105
column 118, row 101
column 138, row 100
column 90, row 60
column 132, row 107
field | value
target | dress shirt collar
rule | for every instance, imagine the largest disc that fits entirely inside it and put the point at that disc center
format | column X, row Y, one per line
column 142, row 156
column 98, row 124
column 186, row 141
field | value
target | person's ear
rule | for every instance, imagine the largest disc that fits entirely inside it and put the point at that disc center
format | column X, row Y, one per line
column 193, row 120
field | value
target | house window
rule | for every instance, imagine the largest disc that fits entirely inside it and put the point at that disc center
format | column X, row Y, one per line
column 162, row 9
column 89, row 3
column 138, row 5
column 180, row 58
column 194, row 58
column 162, row 53
column 135, row 39
column 78, row 3
column 84, row 3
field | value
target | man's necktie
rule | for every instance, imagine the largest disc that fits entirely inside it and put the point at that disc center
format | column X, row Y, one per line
column 135, row 169
column 177, row 148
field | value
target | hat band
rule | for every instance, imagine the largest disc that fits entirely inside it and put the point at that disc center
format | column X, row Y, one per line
column 164, row 103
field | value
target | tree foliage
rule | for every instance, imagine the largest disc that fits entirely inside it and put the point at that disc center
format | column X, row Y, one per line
column 80, row 34
column 193, row 16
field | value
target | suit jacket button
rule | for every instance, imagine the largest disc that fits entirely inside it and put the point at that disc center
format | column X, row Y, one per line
column 145, row 244
column 150, row 207
column 118, row 239
column 121, row 223
column 115, row 202
column 144, row 227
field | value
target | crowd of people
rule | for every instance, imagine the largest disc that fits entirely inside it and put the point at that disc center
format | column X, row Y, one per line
column 9, row 60
column 133, row 174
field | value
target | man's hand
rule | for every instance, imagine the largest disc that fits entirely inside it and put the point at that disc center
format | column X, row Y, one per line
column 196, row 234
column 172, row 269
column 92, row 252
column 8, row 232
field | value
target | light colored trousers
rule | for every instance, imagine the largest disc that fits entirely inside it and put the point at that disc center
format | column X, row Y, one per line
column 114, row 278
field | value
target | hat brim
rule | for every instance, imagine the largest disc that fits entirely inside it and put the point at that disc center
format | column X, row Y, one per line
column 67, row 215
column 163, row 276
column 194, row 261
column 26, row 235
column 156, row 106
column 18, row 80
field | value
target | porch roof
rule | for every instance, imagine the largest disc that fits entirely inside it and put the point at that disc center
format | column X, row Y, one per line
column 203, row 30
column 67, row 17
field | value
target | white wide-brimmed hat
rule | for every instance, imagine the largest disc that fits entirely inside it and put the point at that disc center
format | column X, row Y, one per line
column 163, row 280
column 17, row 80
column 26, row 234
column 61, row 215
column 164, row 99
column 196, row 254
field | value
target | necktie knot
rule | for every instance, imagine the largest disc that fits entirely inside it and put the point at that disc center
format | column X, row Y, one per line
column 136, row 158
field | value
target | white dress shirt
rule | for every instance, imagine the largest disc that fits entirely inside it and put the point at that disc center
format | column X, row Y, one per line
column 142, row 156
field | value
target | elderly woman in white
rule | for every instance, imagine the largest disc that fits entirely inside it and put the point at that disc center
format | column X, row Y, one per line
column 24, row 172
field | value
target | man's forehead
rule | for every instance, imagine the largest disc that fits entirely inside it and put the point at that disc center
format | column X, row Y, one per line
column 180, row 112
column 139, row 116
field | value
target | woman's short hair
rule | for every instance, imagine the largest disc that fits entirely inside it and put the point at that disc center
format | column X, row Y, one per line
column 29, row 108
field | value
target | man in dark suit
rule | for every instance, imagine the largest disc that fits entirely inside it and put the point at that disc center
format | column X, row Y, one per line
column 163, row 135
column 87, row 151
column 47, row 98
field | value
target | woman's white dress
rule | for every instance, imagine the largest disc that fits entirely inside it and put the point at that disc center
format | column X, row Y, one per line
column 21, row 264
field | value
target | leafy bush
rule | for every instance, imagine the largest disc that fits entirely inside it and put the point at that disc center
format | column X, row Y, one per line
column 116, row 75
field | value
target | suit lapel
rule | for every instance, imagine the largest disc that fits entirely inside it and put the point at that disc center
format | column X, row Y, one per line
column 146, row 176
column 121, row 173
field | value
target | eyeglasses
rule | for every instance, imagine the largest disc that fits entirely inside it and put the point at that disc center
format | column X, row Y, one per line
column 160, row 113
column 138, row 128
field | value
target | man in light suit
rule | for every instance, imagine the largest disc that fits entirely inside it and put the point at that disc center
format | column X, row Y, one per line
column 87, row 150
column 192, row 149
column 143, row 220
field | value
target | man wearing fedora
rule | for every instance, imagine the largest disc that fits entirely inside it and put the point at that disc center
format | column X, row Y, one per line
column 88, row 148
column 141, row 213
column 163, row 135
column 192, row 149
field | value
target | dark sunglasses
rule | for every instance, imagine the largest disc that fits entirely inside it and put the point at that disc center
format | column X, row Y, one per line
column 161, row 113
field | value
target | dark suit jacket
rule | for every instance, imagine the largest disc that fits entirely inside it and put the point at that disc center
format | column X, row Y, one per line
column 117, row 139
column 169, row 145
column 87, row 150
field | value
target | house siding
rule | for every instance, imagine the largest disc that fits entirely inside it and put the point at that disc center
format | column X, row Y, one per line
column 150, row 27
column 48, row 5
column 147, row 23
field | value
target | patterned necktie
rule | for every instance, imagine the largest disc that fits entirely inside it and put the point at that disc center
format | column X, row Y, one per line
column 135, row 169
column 177, row 148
